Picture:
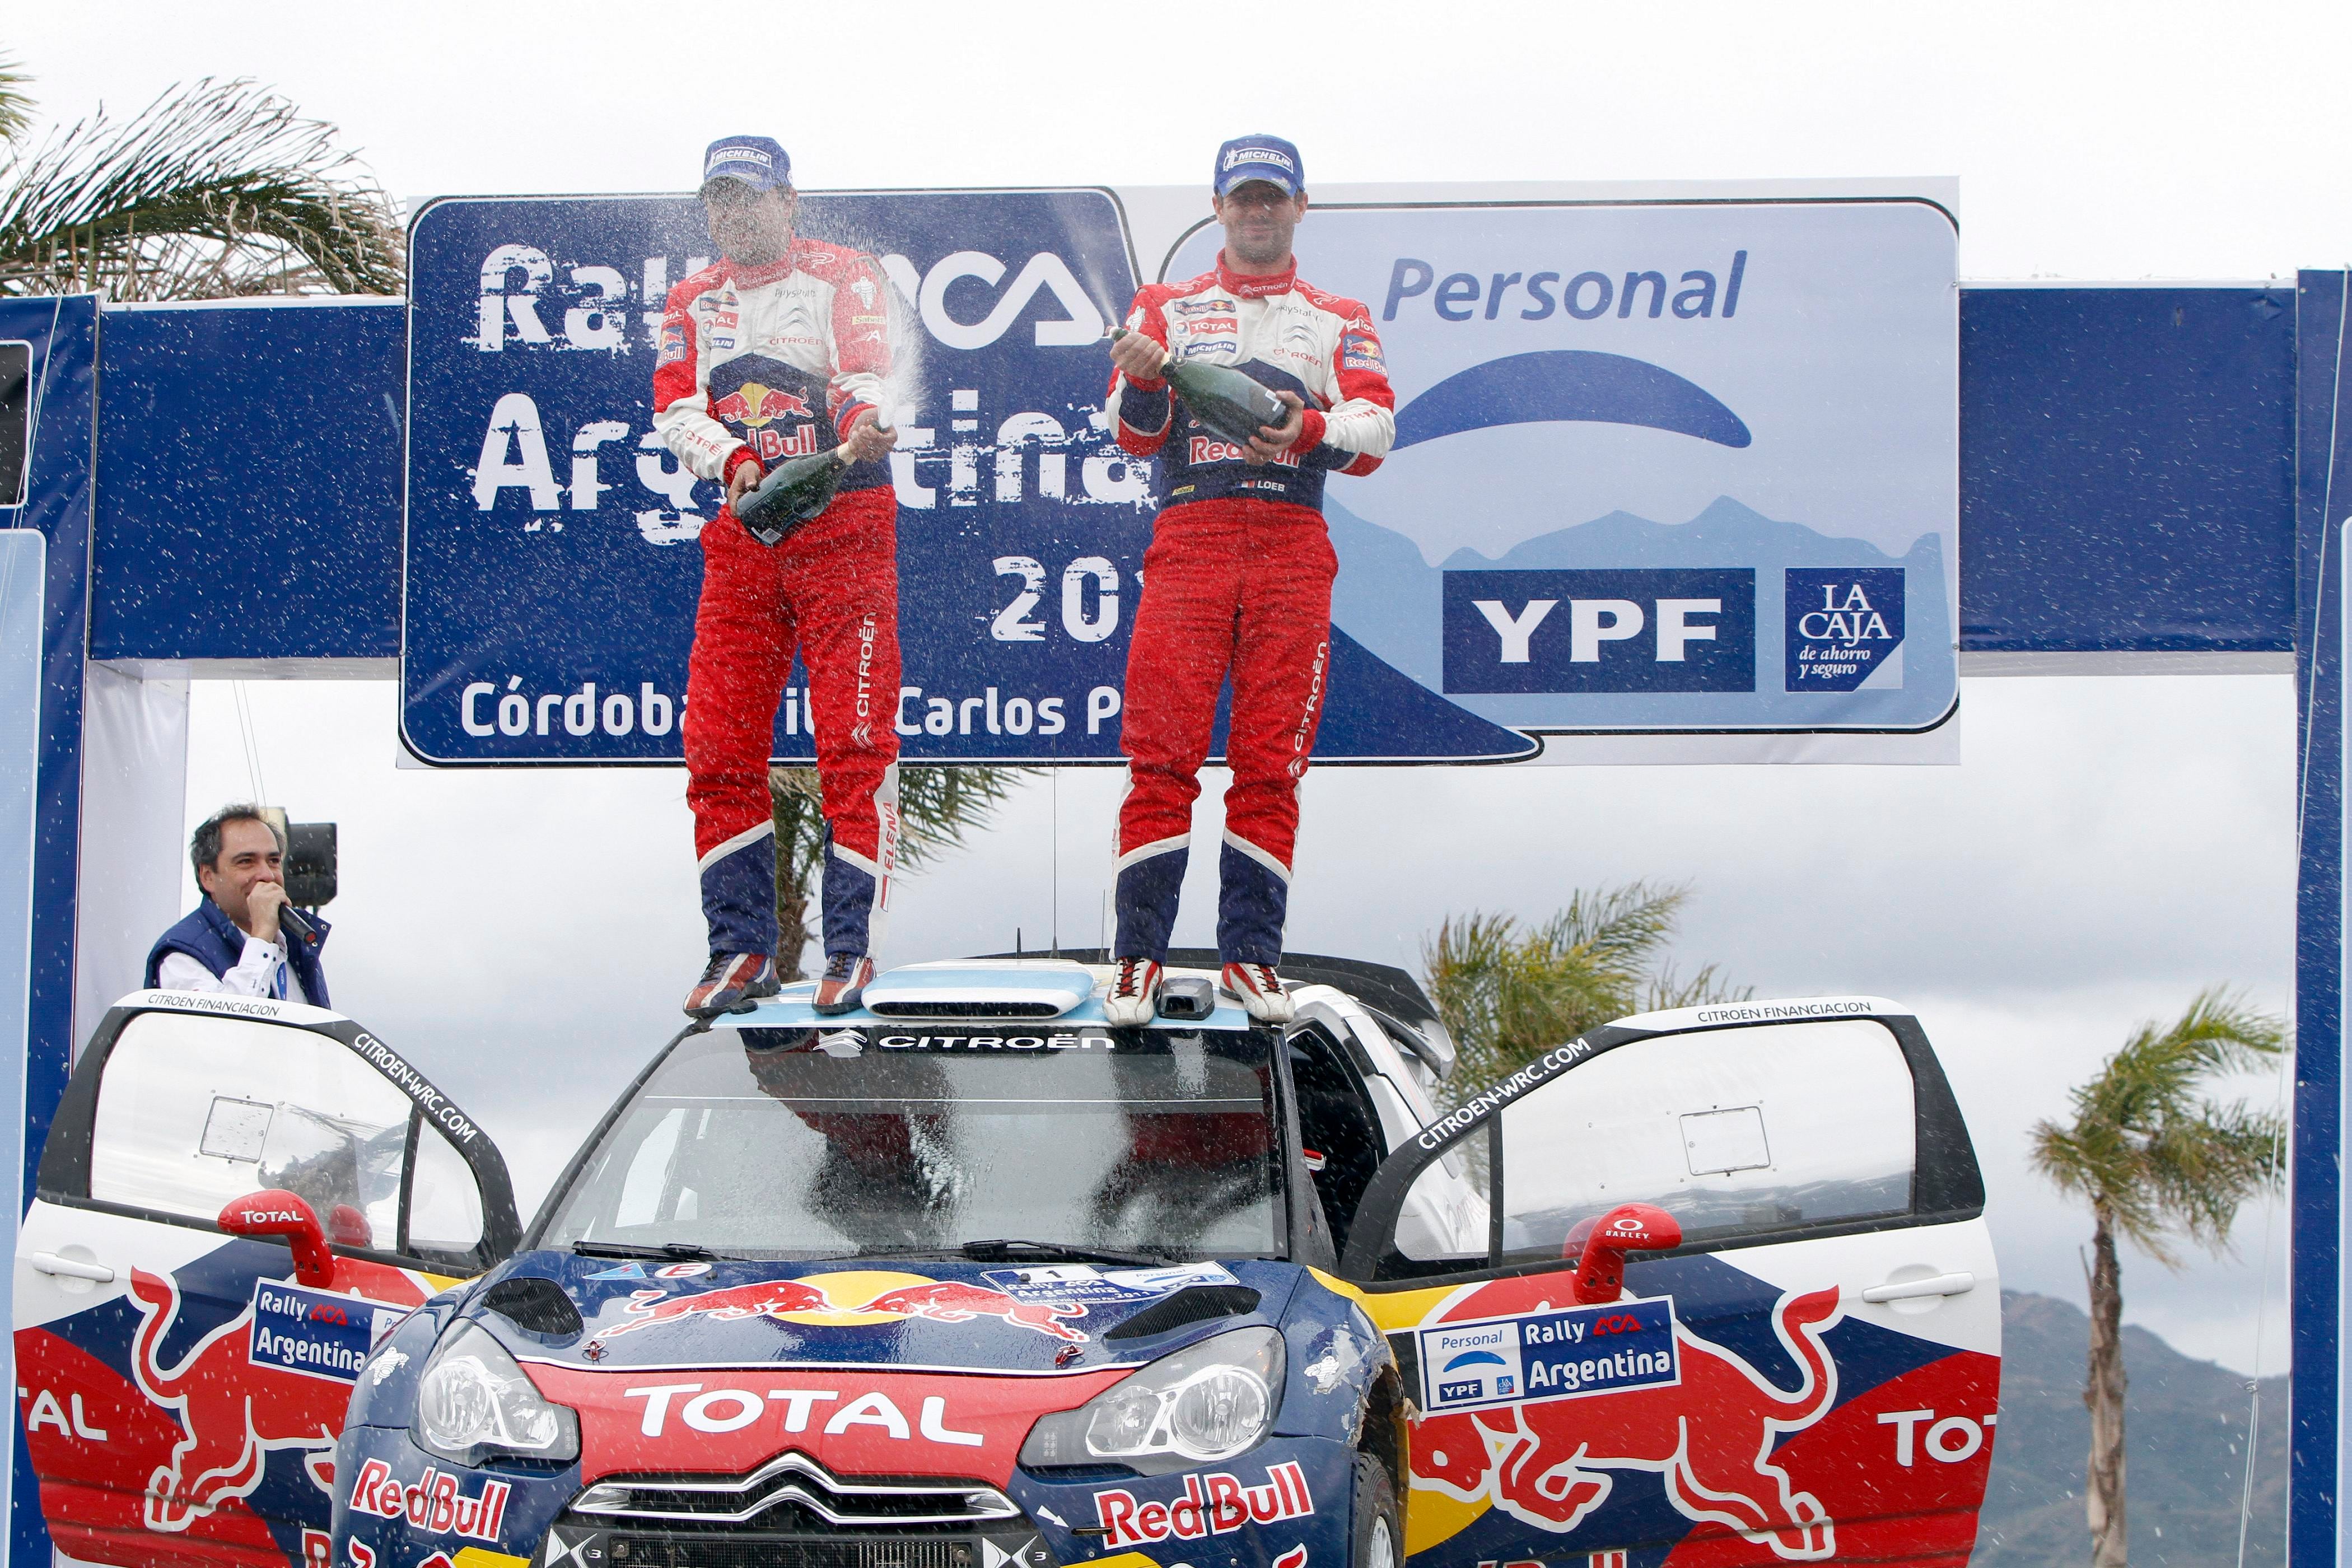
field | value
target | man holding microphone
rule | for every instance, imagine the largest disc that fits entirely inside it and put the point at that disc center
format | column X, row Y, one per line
column 234, row 940
column 778, row 350
column 1238, row 577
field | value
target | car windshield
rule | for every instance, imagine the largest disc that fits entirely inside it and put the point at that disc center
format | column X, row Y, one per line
column 849, row 1142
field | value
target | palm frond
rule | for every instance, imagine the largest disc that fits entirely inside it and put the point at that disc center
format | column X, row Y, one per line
column 216, row 190
column 938, row 806
column 1665, row 990
column 1507, row 993
column 2146, row 1147
column 16, row 103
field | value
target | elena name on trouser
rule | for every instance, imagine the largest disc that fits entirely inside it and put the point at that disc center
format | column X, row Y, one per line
column 1212, row 1504
column 432, row 1504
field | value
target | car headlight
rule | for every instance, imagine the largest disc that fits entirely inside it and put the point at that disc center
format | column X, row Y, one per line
column 474, row 1403
column 1207, row 1402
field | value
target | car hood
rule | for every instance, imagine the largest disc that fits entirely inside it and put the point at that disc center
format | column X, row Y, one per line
column 928, row 1368
column 1001, row 1318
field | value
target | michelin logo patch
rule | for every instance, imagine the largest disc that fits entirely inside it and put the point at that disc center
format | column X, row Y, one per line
column 1240, row 155
column 1550, row 1356
column 315, row 1332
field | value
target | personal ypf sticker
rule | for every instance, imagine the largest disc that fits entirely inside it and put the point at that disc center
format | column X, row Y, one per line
column 1550, row 1356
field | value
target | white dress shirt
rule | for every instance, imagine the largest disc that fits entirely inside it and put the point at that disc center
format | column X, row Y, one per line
column 261, row 971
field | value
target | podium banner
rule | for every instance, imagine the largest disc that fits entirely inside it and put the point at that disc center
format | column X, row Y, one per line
column 1668, row 467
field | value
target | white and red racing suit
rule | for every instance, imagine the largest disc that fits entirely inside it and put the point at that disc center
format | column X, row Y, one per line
column 1237, row 581
column 756, row 364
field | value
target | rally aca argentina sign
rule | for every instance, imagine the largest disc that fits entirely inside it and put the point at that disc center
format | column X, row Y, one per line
column 1661, row 468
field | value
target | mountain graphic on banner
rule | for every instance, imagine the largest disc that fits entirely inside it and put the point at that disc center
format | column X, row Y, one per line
column 1371, row 706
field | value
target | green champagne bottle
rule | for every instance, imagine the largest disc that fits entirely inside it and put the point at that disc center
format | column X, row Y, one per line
column 1232, row 404
column 792, row 493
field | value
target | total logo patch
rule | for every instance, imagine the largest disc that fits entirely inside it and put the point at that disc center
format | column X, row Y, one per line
column 1212, row 1504
column 716, row 1411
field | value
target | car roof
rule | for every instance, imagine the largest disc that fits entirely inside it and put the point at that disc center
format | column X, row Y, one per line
column 1026, row 994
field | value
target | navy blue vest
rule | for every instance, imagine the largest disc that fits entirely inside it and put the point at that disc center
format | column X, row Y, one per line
column 212, row 940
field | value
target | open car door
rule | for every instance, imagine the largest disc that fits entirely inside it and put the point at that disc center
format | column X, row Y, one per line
column 1710, row 1286
column 181, row 1384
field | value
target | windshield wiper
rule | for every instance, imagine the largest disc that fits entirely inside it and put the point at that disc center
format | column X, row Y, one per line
column 1010, row 1251
column 678, row 1251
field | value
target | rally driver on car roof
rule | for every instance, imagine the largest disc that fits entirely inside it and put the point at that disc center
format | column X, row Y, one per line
column 777, row 350
column 1238, row 577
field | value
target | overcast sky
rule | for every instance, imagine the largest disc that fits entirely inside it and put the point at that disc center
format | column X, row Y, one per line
column 2107, row 847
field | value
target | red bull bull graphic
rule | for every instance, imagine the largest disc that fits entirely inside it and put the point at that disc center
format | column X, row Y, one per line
column 1547, row 1459
column 235, row 1409
column 847, row 1299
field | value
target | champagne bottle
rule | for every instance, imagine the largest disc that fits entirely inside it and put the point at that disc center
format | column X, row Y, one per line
column 1225, row 400
column 792, row 493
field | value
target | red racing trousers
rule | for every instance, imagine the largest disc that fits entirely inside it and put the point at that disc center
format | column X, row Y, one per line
column 831, row 590
column 1231, row 588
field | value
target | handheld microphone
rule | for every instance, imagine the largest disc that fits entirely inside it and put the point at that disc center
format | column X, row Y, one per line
column 296, row 924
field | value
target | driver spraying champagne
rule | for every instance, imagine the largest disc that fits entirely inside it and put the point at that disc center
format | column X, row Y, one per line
column 777, row 353
column 1237, row 581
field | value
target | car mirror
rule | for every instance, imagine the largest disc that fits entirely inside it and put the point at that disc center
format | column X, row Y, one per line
column 1601, row 1253
column 277, row 1212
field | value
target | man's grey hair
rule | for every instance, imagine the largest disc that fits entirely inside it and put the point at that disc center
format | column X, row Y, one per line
column 204, row 847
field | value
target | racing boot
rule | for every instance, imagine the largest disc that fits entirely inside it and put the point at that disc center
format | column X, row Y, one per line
column 1260, row 991
column 731, row 983
column 846, row 976
column 1133, row 999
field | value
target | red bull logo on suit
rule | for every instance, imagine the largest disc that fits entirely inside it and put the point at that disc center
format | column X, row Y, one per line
column 754, row 408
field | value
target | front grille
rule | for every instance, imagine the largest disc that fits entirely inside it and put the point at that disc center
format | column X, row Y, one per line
column 793, row 1492
column 966, row 1007
column 647, row 1549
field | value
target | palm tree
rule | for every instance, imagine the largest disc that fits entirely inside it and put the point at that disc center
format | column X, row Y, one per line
column 2157, row 1160
column 215, row 190
column 1508, row 993
column 16, row 103
column 937, row 806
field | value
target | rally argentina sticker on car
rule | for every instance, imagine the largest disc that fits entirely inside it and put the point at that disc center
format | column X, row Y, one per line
column 1550, row 1356
column 316, row 1332
column 1083, row 1282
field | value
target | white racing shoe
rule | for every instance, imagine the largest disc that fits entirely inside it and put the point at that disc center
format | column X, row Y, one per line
column 1133, row 999
column 1260, row 991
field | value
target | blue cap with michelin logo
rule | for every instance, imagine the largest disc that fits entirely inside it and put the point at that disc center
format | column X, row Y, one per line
column 759, row 162
column 1267, row 158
